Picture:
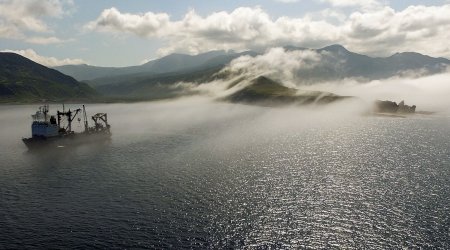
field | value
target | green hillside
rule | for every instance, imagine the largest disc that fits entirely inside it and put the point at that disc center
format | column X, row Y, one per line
column 22, row 80
column 264, row 91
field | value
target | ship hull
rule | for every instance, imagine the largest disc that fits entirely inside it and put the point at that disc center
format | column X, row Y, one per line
column 39, row 142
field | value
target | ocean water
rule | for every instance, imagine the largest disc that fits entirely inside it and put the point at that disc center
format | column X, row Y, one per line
column 198, row 174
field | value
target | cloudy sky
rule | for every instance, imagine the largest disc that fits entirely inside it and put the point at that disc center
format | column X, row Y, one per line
column 121, row 33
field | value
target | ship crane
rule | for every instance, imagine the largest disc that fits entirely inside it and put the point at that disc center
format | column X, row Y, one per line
column 70, row 118
column 98, row 118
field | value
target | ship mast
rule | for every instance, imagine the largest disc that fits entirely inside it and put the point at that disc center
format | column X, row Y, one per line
column 45, row 111
column 86, row 127
column 69, row 116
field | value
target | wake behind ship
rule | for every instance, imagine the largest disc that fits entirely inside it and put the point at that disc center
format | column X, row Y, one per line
column 50, row 130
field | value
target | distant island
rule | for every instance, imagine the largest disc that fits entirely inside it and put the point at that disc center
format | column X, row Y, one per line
column 267, row 92
column 393, row 107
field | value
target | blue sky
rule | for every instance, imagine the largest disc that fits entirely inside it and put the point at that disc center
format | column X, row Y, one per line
column 120, row 33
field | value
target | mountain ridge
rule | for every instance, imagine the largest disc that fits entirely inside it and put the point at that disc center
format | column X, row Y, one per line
column 341, row 63
column 336, row 63
column 170, row 63
column 160, row 78
column 22, row 79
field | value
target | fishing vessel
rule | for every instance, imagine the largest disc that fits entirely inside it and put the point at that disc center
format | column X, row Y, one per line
column 57, row 130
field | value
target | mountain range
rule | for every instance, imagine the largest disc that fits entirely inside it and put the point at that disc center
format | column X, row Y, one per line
column 336, row 63
column 339, row 63
column 158, row 78
column 20, row 78
column 169, row 64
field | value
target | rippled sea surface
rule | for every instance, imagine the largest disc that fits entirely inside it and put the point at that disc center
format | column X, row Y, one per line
column 196, row 174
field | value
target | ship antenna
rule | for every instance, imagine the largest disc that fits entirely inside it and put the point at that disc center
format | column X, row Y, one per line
column 45, row 111
column 86, row 127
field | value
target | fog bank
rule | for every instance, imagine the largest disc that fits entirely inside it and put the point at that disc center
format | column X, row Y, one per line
column 290, row 68
column 428, row 93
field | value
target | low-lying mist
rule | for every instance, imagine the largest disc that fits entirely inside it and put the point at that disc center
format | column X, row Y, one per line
column 198, row 121
column 215, row 127
column 243, row 123
column 293, row 69
column 429, row 93
column 208, row 112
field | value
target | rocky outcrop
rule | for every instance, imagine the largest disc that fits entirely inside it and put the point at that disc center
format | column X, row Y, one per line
column 393, row 107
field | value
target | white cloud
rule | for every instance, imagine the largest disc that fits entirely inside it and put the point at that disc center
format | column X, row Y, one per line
column 417, row 28
column 287, row 1
column 146, row 60
column 148, row 24
column 366, row 4
column 276, row 63
column 47, row 61
column 376, row 31
column 20, row 17
column 45, row 40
